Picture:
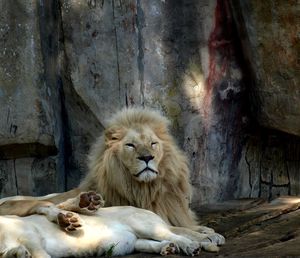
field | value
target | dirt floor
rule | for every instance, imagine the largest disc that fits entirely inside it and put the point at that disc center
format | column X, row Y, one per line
column 252, row 227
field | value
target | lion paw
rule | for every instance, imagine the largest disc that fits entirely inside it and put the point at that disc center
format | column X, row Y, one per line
column 169, row 248
column 69, row 221
column 18, row 252
column 192, row 249
column 215, row 238
column 195, row 251
column 209, row 247
column 90, row 201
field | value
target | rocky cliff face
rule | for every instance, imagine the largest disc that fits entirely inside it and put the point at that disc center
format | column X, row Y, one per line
column 224, row 73
column 269, row 35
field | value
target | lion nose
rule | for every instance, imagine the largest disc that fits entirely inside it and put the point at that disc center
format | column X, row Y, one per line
column 146, row 158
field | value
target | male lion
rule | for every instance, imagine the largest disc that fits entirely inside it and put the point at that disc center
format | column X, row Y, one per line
column 111, row 231
column 135, row 162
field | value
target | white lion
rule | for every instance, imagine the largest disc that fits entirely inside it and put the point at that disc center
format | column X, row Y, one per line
column 111, row 231
column 135, row 162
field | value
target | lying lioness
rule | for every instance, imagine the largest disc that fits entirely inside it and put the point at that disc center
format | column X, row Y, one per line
column 111, row 231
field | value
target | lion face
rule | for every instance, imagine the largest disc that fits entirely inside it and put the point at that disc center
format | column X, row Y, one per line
column 140, row 152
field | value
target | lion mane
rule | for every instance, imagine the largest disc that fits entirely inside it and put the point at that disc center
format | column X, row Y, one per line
column 165, row 189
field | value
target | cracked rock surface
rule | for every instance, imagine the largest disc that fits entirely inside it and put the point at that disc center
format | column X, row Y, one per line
column 223, row 72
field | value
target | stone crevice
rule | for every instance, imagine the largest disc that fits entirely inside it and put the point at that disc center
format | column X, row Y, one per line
column 140, row 22
column 15, row 176
column 117, row 50
column 249, row 170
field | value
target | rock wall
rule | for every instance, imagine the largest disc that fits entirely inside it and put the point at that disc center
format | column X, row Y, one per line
column 269, row 35
column 66, row 66
column 269, row 32
column 28, row 125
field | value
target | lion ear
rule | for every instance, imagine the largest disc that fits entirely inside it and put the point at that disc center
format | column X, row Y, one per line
column 113, row 134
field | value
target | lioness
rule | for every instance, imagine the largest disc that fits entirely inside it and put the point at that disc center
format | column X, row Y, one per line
column 111, row 231
column 135, row 162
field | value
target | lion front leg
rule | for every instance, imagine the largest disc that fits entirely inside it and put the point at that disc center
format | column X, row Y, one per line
column 28, row 205
column 189, row 247
column 208, row 241
column 161, row 232
column 67, row 220
column 84, row 203
column 158, row 247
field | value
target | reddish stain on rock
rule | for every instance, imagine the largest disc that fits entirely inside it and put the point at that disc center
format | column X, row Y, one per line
column 220, row 50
